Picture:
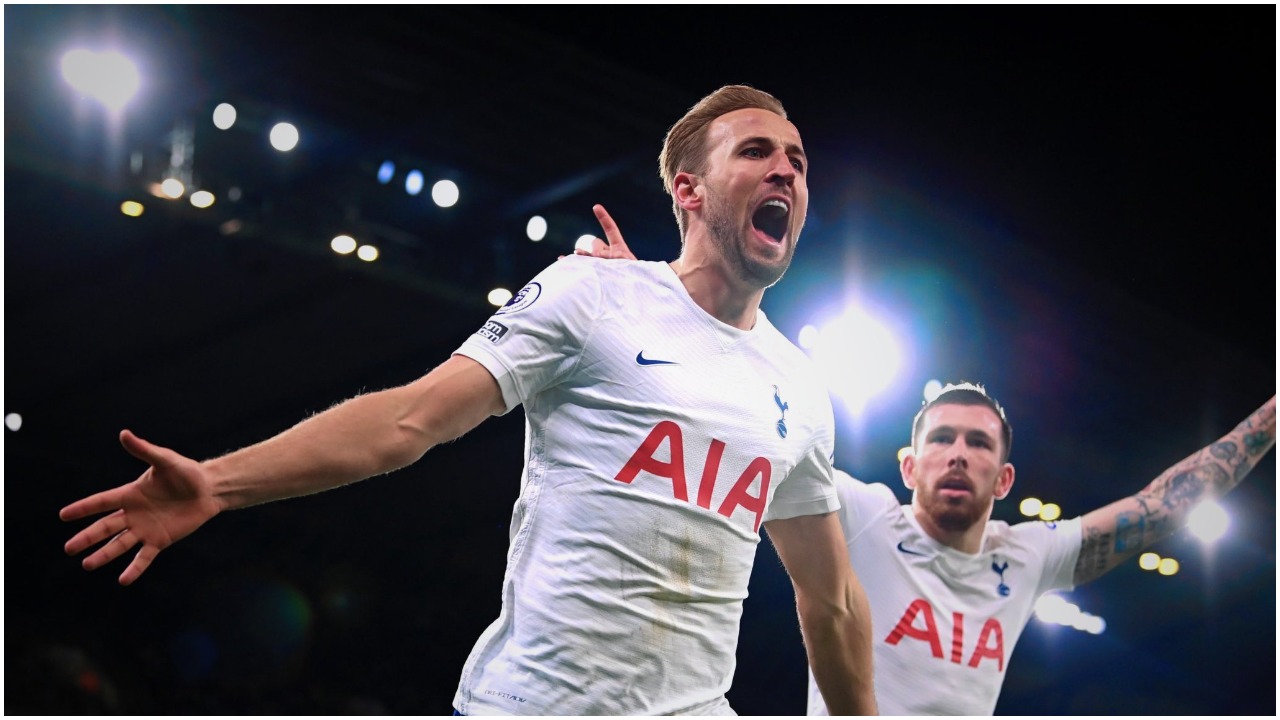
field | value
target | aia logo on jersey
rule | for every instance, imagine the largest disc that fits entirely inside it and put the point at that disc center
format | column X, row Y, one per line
column 527, row 296
column 740, row 496
column 918, row 624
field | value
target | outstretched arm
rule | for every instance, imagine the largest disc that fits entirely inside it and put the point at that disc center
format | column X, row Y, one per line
column 835, row 618
column 364, row 436
column 1117, row 532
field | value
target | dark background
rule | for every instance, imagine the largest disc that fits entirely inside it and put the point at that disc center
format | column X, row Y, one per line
column 1073, row 205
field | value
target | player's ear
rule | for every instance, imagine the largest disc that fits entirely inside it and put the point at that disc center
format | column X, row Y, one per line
column 1004, row 482
column 687, row 190
column 907, row 466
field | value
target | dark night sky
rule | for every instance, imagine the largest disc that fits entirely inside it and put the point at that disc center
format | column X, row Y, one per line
column 1074, row 205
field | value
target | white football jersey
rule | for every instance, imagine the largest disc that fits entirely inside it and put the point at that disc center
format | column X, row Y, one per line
column 944, row 622
column 658, row 439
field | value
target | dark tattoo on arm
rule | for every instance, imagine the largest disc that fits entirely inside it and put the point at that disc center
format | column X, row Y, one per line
column 1095, row 555
column 1129, row 528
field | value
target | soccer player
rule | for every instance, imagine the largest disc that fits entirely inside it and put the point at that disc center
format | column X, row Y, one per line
column 667, row 422
column 950, row 589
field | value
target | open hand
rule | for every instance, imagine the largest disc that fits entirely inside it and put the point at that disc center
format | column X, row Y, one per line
column 165, row 504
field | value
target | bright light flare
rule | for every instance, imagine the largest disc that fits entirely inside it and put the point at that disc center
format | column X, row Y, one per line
column 584, row 243
column 132, row 208
column 224, row 116
column 413, row 182
column 1148, row 561
column 1050, row 512
column 172, row 188
column 202, row 198
column 536, row 229
column 1057, row 610
column 857, row 357
column 284, row 137
column 343, row 244
column 1208, row 522
column 109, row 77
column 367, row 253
column 1030, row 507
column 386, row 171
column 445, row 193
column 13, row 421
column 499, row 296
column 808, row 337
column 932, row 390
column 1168, row 566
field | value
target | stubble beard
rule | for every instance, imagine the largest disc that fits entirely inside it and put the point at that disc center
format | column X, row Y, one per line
column 728, row 239
column 957, row 517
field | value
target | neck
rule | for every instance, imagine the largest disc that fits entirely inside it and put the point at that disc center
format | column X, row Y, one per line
column 714, row 288
column 966, row 541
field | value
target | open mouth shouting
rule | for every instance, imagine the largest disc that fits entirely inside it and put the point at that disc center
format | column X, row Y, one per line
column 772, row 219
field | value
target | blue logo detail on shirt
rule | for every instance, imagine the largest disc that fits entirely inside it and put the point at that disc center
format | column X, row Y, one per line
column 493, row 331
column 905, row 549
column 521, row 300
column 999, row 569
column 642, row 360
column 782, row 421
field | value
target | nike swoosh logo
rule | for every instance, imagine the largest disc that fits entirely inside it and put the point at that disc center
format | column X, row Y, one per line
column 903, row 548
column 642, row 360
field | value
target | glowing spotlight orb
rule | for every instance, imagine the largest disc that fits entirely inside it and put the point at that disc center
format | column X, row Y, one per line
column 343, row 244
column 13, row 421
column 536, row 229
column 1030, row 507
column 132, row 208
column 932, row 390
column 413, row 182
column 202, row 198
column 499, row 296
column 109, row 77
column 584, row 243
column 1208, row 522
column 367, row 253
column 284, row 137
column 445, row 193
column 386, row 171
column 1168, row 566
column 224, row 116
column 1050, row 512
column 857, row 357
column 1148, row 561
column 173, row 188
column 808, row 337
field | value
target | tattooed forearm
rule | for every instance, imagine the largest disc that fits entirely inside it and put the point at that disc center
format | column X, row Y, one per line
column 1120, row 530
column 1095, row 554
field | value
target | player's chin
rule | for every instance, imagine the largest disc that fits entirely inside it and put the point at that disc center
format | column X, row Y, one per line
column 955, row 517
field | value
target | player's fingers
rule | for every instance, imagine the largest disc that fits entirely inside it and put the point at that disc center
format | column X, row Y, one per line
column 610, row 228
column 145, row 451
column 103, row 529
column 105, row 501
column 117, row 546
column 140, row 563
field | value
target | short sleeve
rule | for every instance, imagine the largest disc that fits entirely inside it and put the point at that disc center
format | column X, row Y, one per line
column 536, row 339
column 809, row 488
column 1059, row 545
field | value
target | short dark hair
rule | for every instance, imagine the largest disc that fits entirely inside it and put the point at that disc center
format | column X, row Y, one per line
column 966, row 393
column 685, row 147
